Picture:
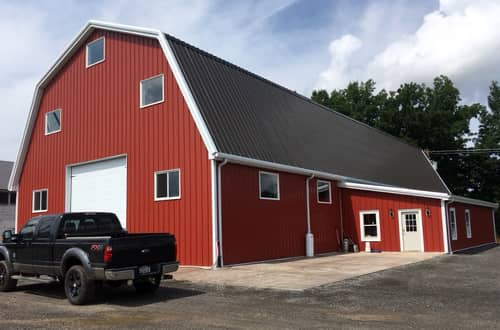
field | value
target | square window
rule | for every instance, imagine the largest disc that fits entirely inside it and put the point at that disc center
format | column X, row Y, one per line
column 370, row 226
column 324, row 192
column 53, row 122
column 152, row 91
column 95, row 52
column 269, row 186
column 40, row 200
column 167, row 185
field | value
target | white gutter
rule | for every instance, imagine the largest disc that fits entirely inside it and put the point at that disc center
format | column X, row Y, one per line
column 275, row 166
column 219, row 210
column 394, row 190
column 466, row 200
column 309, row 235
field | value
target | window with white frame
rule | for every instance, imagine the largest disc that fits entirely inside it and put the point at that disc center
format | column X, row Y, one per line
column 152, row 90
column 40, row 200
column 167, row 185
column 324, row 191
column 453, row 224
column 269, row 185
column 370, row 226
column 95, row 52
column 53, row 122
column 467, row 224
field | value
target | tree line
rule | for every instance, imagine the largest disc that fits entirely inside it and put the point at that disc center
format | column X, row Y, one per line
column 434, row 119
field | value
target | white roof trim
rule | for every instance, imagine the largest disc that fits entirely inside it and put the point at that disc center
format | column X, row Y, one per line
column 471, row 201
column 276, row 166
column 64, row 57
column 394, row 190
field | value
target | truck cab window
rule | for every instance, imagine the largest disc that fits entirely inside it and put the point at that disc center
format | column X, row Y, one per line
column 29, row 229
column 45, row 228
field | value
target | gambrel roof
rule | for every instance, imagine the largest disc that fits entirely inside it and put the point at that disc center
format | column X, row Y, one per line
column 244, row 115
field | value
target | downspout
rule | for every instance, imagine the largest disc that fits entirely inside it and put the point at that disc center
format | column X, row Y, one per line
column 341, row 219
column 219, row 211
column 309, row 235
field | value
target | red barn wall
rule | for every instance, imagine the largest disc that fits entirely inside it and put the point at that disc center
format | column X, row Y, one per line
column 101, row 118
column 255, row 229
column 354, row 201
column 482, row 228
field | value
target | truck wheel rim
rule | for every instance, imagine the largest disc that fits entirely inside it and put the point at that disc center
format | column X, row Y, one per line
column 74, row 283
column 2, row 274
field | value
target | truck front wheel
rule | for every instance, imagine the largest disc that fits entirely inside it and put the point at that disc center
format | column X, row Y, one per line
column 7, row 283
column 78, row 287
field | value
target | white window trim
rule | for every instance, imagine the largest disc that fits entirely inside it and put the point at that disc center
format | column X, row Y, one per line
column 361, row 226
column 142, row 106
column 453, row 234
column 33, row 200
column 277, row 183
column 468, row 225
column 60, row 122
column 329, row 191
column 168, row 183
column 87, row 65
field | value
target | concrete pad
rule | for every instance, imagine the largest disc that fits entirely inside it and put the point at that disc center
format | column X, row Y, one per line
column 301, row 274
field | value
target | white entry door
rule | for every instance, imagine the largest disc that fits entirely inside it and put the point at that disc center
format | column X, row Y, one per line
column 100, row 187
column 411, row 230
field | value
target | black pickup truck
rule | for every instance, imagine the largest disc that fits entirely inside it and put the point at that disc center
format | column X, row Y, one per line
column 83, row 251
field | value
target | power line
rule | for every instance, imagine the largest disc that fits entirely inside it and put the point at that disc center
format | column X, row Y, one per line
column 464, row 151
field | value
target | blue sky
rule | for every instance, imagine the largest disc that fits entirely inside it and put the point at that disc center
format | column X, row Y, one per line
column 300, row 44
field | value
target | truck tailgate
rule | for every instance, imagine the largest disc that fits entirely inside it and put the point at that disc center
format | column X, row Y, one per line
column 142, row 249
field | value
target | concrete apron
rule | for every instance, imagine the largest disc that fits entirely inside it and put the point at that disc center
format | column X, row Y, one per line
column 301, row 274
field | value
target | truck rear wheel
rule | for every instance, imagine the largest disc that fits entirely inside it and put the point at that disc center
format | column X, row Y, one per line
column 78, row 287
column 147, row 285
column 7, row 283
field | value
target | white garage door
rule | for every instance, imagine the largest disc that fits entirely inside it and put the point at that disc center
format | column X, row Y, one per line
column 100, row 187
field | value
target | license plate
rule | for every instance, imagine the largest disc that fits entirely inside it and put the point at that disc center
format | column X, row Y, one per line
column 144, row 269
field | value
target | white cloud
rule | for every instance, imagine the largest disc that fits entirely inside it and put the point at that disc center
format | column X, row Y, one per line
column 339, row 72
column 461, row 40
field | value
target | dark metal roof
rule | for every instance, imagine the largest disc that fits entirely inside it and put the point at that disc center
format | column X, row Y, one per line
column 252, row 117
column 5, row 170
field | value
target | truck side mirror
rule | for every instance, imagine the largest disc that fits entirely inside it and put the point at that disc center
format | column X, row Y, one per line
column 7, row 235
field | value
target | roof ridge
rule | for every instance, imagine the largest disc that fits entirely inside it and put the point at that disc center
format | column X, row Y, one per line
column 303, row 97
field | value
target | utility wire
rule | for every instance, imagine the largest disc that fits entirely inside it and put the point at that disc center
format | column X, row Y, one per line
column 464, row 151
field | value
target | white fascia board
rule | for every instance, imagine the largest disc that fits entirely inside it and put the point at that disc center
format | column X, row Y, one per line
column 466, row 200
column 188, row 96
column 394, row 190
column 276, row 166
column 436, row 172
column 65, row 55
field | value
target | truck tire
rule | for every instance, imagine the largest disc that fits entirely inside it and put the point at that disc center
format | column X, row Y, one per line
column 7, row 283
column 147, row 285
column 78, row 287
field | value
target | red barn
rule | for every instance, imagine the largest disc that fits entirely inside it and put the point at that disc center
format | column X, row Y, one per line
column 240, row 169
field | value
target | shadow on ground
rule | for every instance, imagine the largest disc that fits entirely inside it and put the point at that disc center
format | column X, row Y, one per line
column 122, row 296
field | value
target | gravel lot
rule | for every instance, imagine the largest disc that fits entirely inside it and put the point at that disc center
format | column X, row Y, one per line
column 458, row 291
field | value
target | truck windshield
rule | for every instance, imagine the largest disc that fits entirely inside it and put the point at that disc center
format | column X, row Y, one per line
column 90, row 224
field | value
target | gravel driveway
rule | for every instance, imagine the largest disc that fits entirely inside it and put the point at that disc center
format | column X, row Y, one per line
column 458, row 291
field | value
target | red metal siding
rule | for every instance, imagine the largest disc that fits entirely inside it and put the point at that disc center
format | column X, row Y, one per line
column 482, row 228
column 101, row 118
column 355, row 201
column 254, row 229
